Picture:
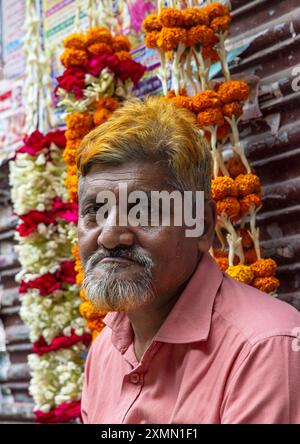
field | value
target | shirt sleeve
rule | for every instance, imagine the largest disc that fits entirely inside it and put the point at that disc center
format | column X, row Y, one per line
column 85, row 390
column 265, row 388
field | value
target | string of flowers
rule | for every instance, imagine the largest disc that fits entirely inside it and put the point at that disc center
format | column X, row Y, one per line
column 99, row 74
column 189, row 41
column 49, row 294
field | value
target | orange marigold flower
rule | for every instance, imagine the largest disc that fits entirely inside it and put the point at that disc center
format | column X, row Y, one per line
column 95, row 327
column 229, row 206
column 183, row 101
column 247, row 202
column 151, row 23
column 73, row 57
column 248, row 184
column 219, row 24
column 123, row 55
column 169, row 38
column 222, row 263
column 97, row 48
column 233, row 109
column 171, row 18
column 264, row 267
column 151, row 39
column 223, row 187
column 201, row 34
column 89, row 312
column 216, row 9
column 209, row 53
column 194, row 16
column 69, row 153
column 233, row 91
column 222, row 131
column 75, row 41
column 121, row 43
column 99, row 34
column 77, row 133
column 206, row 99
column 241, row 273
column 106, row 102
column 101, row 115
column 82, row 295
column 210, row 117
column 247, row 241
column 79, row 120
column 235, row 166
column 266, row 284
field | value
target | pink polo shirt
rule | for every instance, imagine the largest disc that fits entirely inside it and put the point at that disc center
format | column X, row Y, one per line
column 226, row 353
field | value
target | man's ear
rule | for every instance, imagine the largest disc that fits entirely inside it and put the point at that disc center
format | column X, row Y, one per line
column 210, row 218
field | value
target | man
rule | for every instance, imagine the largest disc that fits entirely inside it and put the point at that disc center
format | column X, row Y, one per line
column 183, row 342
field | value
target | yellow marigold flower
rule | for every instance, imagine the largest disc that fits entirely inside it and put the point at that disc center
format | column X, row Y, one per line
column 194, row 16
column 99, row 34
column 248, row 184
column 247, row 202
column 241, row 273
column 88, row 311
column 151, row 39
column 169, row 38
column 233, row 91
column 228, row 206
column 171, row 18
column 75, row 41
column 223, row 187
column 247, row 241
column 235, row 166
column 264, row 267
column 73, row 57
column 151, row 23
column 123, row 55
column 210, row 117
column 266, row 284
column 216, row 9
column 219, row 24
column 233, row 109
column 97, row 48
column 79, row 120
column 206, row 99
column 201, row 34
column 82, row 295
column 101, row 115
column 121, row 43
column 209, row 53
column 222, row 263
column 106, row 102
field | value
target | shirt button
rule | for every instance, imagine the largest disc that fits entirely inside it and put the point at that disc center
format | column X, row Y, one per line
column 135, row 378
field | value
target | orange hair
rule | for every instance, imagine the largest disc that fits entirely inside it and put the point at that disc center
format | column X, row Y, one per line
column 152, row 129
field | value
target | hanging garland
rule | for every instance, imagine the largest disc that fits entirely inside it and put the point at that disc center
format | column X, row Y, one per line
column 99, row 74
column 189, row 41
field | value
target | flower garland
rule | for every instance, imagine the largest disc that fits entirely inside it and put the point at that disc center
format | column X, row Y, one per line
column 48, row 289
column 99, row 74
column 197, row 36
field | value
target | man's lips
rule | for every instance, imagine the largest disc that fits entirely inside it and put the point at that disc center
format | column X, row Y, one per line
column 119, row 260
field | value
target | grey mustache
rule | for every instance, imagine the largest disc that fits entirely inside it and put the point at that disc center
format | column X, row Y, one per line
column 135, row 255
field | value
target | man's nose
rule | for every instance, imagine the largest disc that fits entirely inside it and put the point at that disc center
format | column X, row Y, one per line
column 112, row 234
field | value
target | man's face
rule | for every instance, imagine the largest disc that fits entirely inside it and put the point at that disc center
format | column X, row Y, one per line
column 127, row 267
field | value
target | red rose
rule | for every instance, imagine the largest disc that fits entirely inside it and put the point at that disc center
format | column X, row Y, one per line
column 100, row 61
column 41, row 347
column 72, row 80
column 129, row 69
column 34, row 143
column 57, row 137
column 31, row 221
column 65, row 210
column 65, row 412
column 67, row 273
column 46, row 284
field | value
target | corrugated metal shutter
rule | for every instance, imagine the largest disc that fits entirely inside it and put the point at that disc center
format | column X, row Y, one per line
column 15, row 403
column 272, row 29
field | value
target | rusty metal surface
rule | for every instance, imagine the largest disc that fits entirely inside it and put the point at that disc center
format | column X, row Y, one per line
column 272, row 30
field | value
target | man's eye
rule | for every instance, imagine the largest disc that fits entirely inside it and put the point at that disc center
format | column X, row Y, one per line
column 92, row 209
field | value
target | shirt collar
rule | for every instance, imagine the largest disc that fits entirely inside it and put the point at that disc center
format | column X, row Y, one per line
column 190, row 318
